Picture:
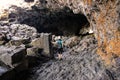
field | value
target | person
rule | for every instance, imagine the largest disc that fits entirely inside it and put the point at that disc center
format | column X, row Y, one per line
column 59, row 47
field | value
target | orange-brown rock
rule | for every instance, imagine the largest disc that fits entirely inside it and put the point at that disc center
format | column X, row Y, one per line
column 106, row 27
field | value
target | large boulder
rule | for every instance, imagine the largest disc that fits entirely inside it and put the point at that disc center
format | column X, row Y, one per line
column 43, row 42
column 46, row 38
column 8, row 73
column 12, row 60
column 12, row 55
column 18, row 32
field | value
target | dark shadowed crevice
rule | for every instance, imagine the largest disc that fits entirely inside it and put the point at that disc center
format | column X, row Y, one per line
column 61, row 22
column 29, row 0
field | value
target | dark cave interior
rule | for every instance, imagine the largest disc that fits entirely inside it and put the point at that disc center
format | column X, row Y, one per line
column 61, row 22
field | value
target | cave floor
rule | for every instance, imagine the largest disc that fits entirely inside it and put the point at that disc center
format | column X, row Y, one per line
column 82, row 65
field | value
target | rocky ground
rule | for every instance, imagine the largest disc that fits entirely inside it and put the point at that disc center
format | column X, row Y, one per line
column 79, row 63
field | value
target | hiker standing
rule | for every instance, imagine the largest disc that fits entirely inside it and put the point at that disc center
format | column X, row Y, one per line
column 59, row 47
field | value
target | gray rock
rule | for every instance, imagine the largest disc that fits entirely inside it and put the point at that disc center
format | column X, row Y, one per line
column 18, row 42
column 21, row 66
column 37, row 42
column 117, row 60
column 3, row 70
column 18, row 32
column 44, row 42
column 12, row 55
column 72, row 41
column 33, row 51
column 46, row 38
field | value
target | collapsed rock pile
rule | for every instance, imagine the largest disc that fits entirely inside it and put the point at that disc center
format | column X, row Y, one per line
column 18, row 32
column 18, row 43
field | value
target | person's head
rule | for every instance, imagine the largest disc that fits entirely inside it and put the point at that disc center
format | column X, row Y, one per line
column 59, row 37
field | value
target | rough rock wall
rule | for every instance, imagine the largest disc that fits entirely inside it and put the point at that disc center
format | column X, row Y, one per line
column 106, row 26
column 104, row 17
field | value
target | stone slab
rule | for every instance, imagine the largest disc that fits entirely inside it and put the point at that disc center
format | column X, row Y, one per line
column 12, row 55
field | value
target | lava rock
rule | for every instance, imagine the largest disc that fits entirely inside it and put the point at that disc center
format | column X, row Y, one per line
column 12, row 55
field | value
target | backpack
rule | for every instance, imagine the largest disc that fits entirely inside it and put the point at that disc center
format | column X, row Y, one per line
column 59, row 43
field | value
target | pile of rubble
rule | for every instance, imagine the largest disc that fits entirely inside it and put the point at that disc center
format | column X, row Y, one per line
column 17, row 43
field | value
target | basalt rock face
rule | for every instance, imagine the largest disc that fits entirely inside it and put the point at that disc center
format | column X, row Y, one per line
column 107, row 30
column 104, row 17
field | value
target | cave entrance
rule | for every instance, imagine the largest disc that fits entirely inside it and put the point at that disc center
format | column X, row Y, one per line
column 58, row 22
column 66, row 23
